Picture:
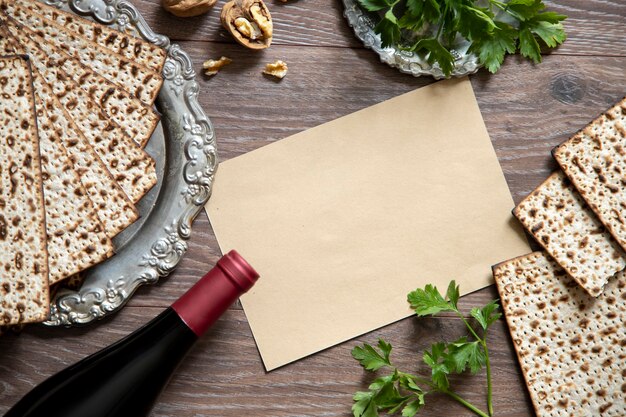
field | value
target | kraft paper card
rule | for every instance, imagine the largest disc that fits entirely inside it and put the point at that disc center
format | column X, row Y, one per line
column 343, row 220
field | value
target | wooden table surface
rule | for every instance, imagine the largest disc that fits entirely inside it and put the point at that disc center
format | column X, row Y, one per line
column 528, row 109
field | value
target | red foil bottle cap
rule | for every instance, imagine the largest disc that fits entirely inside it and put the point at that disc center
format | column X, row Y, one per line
column 211, row 296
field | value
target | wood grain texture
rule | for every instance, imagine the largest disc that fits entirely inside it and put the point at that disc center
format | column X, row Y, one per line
column 594, row 27
column 527, row 109
column 223, row 374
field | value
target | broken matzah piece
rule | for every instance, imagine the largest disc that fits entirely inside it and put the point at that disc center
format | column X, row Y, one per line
column 129, row 46
column 138, row 80
column 24, row 294
column 131, row 166
column 595, row 160
column 76, row 238
column 571, row 347
column 558, row 218
column 135, row 118
column 115, row 210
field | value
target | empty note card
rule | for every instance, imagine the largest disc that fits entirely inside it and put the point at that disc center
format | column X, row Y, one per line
column 343, row 220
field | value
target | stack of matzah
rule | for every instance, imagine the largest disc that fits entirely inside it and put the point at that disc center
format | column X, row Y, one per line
column 76, row 112
column 566, row 307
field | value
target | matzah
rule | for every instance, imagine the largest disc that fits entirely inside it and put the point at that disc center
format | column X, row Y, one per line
column 556, row 215
column 571, row 347
column 115, row 210
column 23, row 256
column 135, row 118
column 76, row 239
column 595, row 160
column 131, row 47
column 138, row 80
column 131, row 167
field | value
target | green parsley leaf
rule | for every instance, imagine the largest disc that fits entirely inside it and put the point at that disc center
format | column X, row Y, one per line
column 551, row 17
column 487, row 315
column 413, row 407
column 428, row 301
column 453, row 294
column 388, row 396
column 491, row 51
column 408, row 383
column 364, row 405
column 374, row 5
column 475, row 22
column 435, row 359
column 525, row 9
column 463, row 354
column 370, row 358
column 389, row 30
column 528, row 45
column 552, row 34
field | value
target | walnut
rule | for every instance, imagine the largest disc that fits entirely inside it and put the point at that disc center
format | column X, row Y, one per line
column 249, row 21
column 212, row 66
column 187, row 8
column 277, row 69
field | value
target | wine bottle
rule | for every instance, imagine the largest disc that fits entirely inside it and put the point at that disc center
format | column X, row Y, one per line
column 126, row 378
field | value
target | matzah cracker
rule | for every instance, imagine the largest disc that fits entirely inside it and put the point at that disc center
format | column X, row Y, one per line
column 115, row 210
column 131, row 167
column 571, row 346
column 76, row 239
column 556, row 215
column 595, row 160
column 135, row 118
column 23, row 256
column 138, row 80
column 131, row 47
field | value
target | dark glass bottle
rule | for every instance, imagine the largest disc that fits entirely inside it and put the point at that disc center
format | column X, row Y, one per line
column 125, row 379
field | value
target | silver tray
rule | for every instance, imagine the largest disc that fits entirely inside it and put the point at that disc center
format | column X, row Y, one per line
column 408, row 62
column 183, row 147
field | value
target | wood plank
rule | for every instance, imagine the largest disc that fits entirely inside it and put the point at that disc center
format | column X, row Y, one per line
column 223, row 374
column 594, row 27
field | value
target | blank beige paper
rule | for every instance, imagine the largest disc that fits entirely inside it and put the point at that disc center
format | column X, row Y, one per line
column 343, row 220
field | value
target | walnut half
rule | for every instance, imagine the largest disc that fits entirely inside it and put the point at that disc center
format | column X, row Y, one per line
column 187, row 8
column 249, row 21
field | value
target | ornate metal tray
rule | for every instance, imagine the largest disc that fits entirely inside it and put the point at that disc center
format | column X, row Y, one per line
column 183, row 146
column 407, row 62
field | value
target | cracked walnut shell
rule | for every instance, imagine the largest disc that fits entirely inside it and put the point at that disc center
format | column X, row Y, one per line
column 249, row 21
column 187, row 8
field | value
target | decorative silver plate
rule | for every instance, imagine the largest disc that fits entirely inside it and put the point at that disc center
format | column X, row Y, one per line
column 408, row 62
column 183, row 147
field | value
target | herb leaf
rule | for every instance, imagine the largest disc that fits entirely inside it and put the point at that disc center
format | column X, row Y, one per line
column 429, row 301
column 413, row 407
column 400, row 392
column 463, row 354
column 370, row 358
column 491, row 50
column 435, row 359
column 487, row 315
column 374, row 5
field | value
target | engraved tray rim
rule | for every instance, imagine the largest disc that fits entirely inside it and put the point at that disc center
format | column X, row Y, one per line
column 160, row 241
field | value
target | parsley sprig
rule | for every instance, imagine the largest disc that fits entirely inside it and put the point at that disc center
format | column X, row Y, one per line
column 404, row 392
column 493, row 27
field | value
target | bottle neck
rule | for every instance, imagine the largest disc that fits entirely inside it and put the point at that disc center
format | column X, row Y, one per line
column 211, row 296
